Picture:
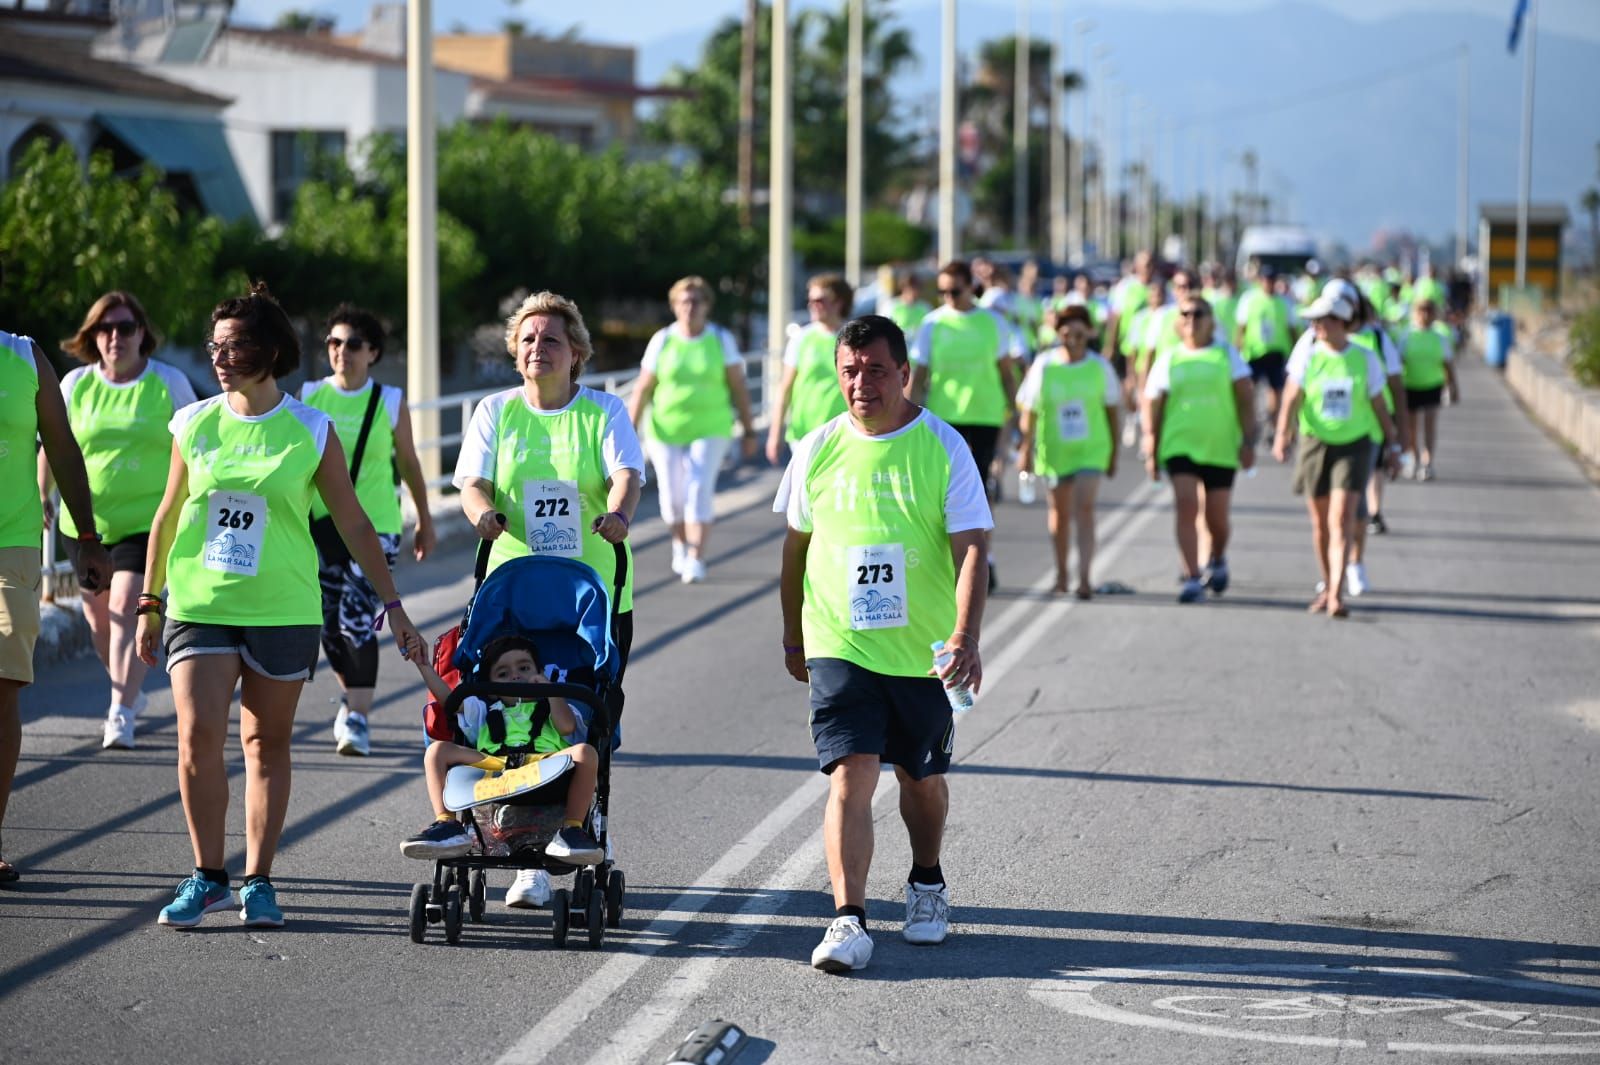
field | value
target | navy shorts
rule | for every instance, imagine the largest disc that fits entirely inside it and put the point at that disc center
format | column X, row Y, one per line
column 1215, row 478
column 1271, row 367
column 905, row 721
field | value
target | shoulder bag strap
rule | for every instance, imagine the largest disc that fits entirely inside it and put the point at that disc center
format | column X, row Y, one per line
column 366, row 431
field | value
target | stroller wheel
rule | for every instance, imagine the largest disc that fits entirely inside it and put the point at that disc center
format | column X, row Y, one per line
column 419, row 912
column 452, row 916
column 596, row 920
column 475, row 901
column 616, row 889
column 560, row 912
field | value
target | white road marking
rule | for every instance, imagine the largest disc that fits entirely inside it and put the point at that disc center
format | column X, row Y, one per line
column 690, row 978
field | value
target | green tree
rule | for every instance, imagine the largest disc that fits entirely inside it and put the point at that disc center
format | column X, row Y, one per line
column 67, row 236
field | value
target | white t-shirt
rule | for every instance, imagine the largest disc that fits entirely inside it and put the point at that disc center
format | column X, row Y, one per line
column 966, row 506
column 1033, row 380
column 1159, row 382
column 1391, row 354
column 1300, row 358
column 619, row 449
column 1010, row 347
column 652, row 350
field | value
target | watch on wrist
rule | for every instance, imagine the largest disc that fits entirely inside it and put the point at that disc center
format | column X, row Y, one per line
column 85, row 537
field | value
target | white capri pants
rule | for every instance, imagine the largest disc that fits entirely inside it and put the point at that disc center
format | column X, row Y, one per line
column 686, row 478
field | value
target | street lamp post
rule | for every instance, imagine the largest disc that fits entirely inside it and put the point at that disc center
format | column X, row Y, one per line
column 947, row 132
column 853, row 147
column 422, row 242
column 780, row 184
column 1020, row 100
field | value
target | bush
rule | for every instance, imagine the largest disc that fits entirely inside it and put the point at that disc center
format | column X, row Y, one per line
column 1585, row 357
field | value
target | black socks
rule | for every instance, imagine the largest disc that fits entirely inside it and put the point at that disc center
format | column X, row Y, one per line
column 930, row 875
column 215, row 876
column 258, row 878
column 853, row 911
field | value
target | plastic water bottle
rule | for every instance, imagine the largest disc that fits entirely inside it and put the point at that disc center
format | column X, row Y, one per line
column 960, row 698
column 1027, row 488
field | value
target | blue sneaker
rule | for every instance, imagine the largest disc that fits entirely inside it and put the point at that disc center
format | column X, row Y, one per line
column 196, row 897
column 259, row 905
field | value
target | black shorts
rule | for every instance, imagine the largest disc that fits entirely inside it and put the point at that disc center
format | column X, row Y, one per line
column 981, row 441
column 905, row 721
column 1272, row 367
column 127, row 556
column 1424, row 398
column 1215, row 478
column 1119, row 363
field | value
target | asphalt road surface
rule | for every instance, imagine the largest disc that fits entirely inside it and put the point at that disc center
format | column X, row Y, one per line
column 1221, row 833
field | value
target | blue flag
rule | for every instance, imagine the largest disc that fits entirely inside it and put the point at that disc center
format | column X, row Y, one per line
column 1516, row 25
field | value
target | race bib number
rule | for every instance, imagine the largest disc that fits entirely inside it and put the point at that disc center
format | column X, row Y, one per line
column 236, row 527
column 552, row 518
column 1073, row 421
column 877, row 579
column 1267, row 330
column 1337, row 397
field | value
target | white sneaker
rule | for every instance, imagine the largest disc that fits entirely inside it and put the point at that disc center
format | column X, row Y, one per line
column 118, row 729
column 1355, row 579
column 338, row 723
column 680, row 551
column 530, row 890
column 694, row 570
column 927, row 914
column 845, row 947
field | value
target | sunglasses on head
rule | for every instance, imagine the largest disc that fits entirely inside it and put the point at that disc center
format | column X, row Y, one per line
column 348, row 343
column 122, row 329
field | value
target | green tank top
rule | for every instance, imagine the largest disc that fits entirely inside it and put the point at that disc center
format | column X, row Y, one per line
column 243, row 553
column 1336, row 408
column 1266, row 324
column 550, row 482
column 964, row 385
column 21, row 520
column 1135, row 298
column 1200, row 421
column 816, row 396
column 908, row 315
column 127, row 447
column 1160, row 333
column 1224, row 310
column 376, row 489
column 879, row 580
column 691, row 400
column 1422, row 355
column 1072, row 431
column 518, row 719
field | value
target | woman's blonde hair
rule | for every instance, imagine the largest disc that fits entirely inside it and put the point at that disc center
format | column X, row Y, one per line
column 554, row 306
column 692, row 283
column 81, row 345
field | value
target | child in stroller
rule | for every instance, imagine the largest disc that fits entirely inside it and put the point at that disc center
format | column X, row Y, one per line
column 506, row 725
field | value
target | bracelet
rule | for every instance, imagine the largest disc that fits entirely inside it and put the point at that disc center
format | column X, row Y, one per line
column 147, row 608
column 377, row 625
column 791, row 649
column 85, row 537
column 149, row 597
column 968, row 635
column 620, row 516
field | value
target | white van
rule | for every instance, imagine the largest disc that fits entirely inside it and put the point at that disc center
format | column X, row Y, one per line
column 1286, row 249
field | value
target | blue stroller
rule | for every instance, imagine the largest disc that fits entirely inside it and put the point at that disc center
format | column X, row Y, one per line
column 562, row 605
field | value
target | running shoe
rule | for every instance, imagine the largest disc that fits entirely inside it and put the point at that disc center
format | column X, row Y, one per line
column 679, row 553
column 994, row 576
column 118, row 730
column 195, row 898
column 845, row 947
column 1355, row 579
column 258, row 905
column 1377, row 524
column 576, row 846
column 338, row 722
column 356, row 741
column 1216, row 576
column 1193, row 591
column 927, row 914
column 442, row 839
column 694, row 570
column 530, row 890
column 1425, row 473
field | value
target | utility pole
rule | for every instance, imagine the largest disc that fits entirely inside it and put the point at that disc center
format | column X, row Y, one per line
column 1525, row 173
column 1191, row 224
column 947, row 132
column 1059, row 210
column 1020, row 76
column 747, row 112
column 780, row 182
column 1463, row 156
column 422, row 241
column 853, row 147
column 1078, row 173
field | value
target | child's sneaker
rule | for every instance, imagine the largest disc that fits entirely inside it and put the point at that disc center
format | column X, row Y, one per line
column 845, row 947
column 442, row 839
column 196, row 897
column 575, row 846
column 259, row 905
column 530, row 890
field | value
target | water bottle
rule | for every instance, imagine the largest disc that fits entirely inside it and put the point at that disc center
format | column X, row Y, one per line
column 960, row 698
column 1027, row 488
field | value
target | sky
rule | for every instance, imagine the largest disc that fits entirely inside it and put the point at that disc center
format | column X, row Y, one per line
column 1396, row 101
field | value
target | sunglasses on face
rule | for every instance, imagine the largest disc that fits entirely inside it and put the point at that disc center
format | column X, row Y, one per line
column 949, row 293
column 122, row 329
column 1194, row 314
column 348, row 343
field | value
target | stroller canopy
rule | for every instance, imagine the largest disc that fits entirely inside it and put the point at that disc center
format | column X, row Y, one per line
column 559, row 603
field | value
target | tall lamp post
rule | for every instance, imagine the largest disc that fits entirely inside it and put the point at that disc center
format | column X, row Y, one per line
column 422, row 242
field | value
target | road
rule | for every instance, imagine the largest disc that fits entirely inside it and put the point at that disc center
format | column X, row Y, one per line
column 1220, row 833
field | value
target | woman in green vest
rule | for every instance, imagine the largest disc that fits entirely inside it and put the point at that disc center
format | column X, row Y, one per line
column 1070, row 403
column 908, row 308
column 692, row 381
column 1333, row 394
column 1202, row 410
column 1427, row 355
column 372, row 421
column 119, row 402
column 809, row 394
column 231, row 546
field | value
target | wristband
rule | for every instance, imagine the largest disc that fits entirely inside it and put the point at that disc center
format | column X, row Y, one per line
column 149, row 597
column 620, row 516
column 377, row 626
column 791, row 649
column 147, row 608
column 84, row 537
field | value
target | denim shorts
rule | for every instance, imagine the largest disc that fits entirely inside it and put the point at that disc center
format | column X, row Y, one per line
column 277, row 652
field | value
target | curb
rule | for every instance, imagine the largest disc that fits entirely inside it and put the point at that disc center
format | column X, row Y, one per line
column 63, row 634
column 1568, row 409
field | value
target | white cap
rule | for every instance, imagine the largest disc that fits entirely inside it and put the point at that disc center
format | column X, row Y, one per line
column 1339, row 288
column 1329, row 305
